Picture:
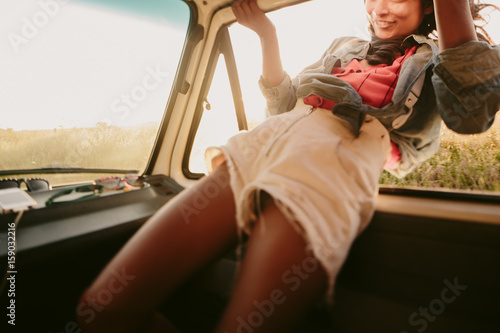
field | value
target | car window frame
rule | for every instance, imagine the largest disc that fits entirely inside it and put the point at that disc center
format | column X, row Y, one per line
column 222, row 46
column 195, row 34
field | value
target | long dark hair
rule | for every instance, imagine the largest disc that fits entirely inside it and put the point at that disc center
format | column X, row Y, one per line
column 384, row 51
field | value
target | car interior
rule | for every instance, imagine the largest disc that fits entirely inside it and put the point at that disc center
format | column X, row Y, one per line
column 143, row 89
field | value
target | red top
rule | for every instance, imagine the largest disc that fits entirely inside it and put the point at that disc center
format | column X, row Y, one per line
column 374, row 84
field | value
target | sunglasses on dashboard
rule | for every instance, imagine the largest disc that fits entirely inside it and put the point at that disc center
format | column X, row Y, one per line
column 94, row 190
column 83, row 192
column 117, row 183
column 32, row 184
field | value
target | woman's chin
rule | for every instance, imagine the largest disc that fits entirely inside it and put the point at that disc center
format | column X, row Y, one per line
column 388, row 35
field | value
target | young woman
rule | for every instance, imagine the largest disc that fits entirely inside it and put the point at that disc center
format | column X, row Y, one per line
column 302, row 184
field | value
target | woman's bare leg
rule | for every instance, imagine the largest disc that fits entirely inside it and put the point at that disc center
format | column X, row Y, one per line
column 279, row 279
column 186, row 234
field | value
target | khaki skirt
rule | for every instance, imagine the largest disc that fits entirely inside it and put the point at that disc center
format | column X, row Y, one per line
column 321, row 177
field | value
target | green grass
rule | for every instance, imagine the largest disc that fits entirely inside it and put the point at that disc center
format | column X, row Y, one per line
column 465, row 162
column 103, row 146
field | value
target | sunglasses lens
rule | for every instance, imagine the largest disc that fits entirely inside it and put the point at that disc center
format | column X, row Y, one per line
column 89, row 188
column 5, row 183
column 109, row 183
column 134, row 180
column 38, row 185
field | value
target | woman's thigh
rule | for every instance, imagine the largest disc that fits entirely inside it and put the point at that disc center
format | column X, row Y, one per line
column 186, row 234
column 280, row 279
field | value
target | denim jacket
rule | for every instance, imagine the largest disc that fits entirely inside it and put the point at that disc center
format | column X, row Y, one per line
column 462, row 88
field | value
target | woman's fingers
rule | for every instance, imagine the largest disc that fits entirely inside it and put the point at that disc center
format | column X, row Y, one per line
column 252, row 4
column 249, row 14
column 243, row 12
column 238, row 12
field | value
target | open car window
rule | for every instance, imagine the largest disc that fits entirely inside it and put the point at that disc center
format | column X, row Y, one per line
column 85, row 84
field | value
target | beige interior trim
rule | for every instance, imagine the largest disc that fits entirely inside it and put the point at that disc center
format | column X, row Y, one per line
column 438, row 208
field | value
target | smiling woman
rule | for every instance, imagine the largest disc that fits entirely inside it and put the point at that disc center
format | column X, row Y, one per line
column 462, row 162
column 306, row 178
column 396, row 19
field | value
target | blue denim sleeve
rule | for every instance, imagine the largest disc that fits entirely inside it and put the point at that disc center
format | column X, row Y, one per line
column 467, row 86
column 411, row 156
column 281, row 98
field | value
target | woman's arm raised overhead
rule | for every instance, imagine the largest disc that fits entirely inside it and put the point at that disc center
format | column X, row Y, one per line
column 249, row 14
column 454, row 23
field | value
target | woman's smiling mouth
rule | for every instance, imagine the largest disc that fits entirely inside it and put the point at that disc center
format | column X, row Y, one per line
column 383, row 24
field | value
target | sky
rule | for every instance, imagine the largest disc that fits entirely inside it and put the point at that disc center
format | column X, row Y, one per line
column 73, row 64
column 54, row 69
column 157, row 9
